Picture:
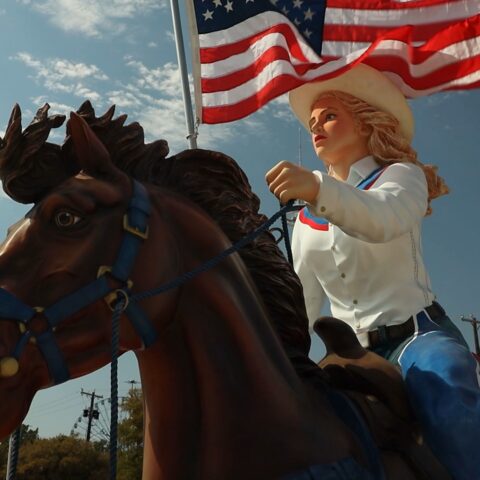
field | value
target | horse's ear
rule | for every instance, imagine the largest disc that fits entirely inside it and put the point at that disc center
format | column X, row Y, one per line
column 91, row 154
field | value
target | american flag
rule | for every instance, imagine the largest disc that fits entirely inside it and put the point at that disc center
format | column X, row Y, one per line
column 247, row 52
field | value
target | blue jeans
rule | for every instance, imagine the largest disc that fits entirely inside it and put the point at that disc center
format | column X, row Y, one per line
column 442, row 380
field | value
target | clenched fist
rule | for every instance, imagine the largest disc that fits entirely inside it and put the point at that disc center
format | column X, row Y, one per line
column 288, row 181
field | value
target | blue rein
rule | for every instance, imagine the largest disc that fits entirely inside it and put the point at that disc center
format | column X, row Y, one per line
column 135, row 233
column 135, row 225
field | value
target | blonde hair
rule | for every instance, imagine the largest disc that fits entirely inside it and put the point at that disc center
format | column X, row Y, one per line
column 386, row 142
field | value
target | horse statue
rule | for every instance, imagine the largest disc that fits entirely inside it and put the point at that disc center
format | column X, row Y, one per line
column 229, row 390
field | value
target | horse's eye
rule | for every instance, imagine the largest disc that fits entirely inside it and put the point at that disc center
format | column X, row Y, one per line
column 64, row 219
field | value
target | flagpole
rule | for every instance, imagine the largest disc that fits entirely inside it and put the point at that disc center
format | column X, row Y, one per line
column 182, row 65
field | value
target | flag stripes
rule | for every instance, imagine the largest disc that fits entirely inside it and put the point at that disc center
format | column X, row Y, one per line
column 425, row 46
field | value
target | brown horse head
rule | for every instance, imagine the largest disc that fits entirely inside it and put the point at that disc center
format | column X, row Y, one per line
column 55, row 250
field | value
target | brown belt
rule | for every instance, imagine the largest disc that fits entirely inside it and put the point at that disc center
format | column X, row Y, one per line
column 384, row 334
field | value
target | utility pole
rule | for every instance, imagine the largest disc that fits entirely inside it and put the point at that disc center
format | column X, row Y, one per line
column 132, row 383
column 475, row 323
column 90, row 413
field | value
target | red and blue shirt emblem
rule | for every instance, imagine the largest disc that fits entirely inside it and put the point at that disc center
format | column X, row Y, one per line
column 318, row 223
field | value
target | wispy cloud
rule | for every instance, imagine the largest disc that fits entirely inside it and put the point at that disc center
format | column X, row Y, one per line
column 150, row 95
column 280, row 109
column 93, row 18
column 165, row 79
column 56, row 135
column 61, row 75
column 437, row 99
column 60, row 69
column 123, row 98
column 55, row 107
column 154, row 99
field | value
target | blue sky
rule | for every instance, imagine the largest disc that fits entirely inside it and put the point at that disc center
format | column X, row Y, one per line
column 122, row 52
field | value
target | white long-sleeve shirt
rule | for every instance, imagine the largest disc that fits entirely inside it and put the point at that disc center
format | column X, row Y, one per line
column 361, row 249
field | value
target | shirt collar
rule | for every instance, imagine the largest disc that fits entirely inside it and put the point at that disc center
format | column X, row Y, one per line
column 361, row 170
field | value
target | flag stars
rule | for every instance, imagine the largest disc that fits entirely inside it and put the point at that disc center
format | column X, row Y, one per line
column 297, row 3
column 229, row 6
column 297, row 22
column 217, row 3
column 307, row 33
column 285, row 11
column 208, row 15
column 248, row 1
column 274, row 2
column 309, row 14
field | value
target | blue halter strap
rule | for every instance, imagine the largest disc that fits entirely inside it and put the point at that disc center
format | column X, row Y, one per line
column 135, row 225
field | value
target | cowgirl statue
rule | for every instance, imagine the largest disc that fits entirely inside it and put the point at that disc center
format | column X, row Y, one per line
column 358, row 243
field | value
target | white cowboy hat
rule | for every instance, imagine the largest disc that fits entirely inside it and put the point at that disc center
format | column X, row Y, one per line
column 363, row 82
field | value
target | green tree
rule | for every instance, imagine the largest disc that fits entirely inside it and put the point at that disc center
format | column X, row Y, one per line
column 72, row 458
column 130, row 437
column 61, row 458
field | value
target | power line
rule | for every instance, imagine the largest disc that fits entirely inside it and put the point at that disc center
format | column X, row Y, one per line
column 91, row 413
column 53, row 410
column 54, row 403
column 65, row 398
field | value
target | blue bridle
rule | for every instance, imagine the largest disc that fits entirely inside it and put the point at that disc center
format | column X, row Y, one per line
column 135, row 225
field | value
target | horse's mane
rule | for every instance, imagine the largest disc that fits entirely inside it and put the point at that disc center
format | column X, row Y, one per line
column 211, row 180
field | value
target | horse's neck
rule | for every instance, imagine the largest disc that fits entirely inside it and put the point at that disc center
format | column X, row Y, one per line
column 213, row 385
column 221, row 397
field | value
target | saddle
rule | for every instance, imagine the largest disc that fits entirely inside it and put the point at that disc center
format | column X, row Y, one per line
column 377, row 389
